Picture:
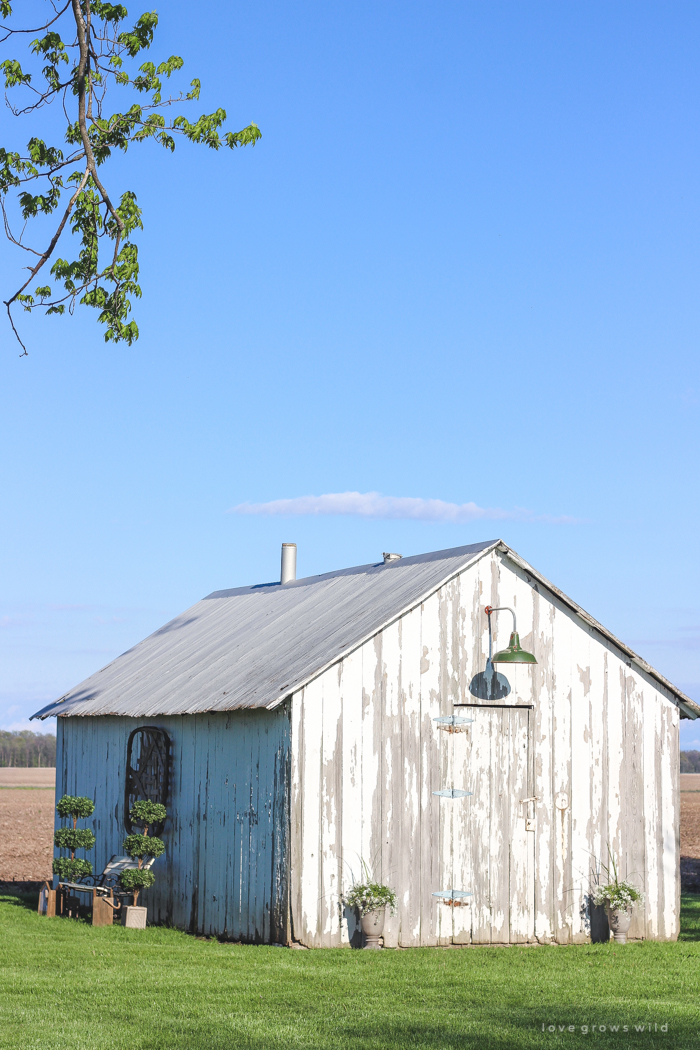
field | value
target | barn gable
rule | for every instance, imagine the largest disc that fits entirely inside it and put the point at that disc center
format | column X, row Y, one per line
column 588, row 736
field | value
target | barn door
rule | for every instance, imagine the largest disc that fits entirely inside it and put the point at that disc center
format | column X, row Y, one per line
column 492, row 853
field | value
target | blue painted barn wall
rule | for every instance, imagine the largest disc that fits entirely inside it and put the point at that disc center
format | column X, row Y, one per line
column 225, row 869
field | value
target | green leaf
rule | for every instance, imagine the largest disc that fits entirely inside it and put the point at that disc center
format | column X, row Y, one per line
column 74, row 838
column 136, row 879
column 141, row 36
column 72, row 806
column 71, row 870
column 109, row 12
column 13, row 73
column 146, row 812
column 247, row 137
column 43, row 155
column 143, row 846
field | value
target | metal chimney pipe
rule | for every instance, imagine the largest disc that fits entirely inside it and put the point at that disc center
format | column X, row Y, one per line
column 289, row 563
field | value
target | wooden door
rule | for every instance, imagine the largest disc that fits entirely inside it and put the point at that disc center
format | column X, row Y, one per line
column 491, row 852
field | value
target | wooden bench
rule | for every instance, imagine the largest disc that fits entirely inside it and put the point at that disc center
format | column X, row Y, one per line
column 102, row 890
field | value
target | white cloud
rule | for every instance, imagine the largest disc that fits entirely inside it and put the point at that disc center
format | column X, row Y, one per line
column 19, row 727
column 409, row 508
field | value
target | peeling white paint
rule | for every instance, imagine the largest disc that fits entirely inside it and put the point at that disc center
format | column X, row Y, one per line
column 593, row 734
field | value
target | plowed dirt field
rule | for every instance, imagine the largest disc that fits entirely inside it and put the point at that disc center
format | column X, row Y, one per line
column 27, row 816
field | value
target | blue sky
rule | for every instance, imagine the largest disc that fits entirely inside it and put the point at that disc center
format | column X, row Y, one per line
column 461, row 265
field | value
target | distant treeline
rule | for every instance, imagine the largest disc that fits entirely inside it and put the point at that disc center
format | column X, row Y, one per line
column 39, row 749
column 27, row 749
column 690, row 761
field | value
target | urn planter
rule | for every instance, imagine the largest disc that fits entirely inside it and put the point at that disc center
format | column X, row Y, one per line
column 619, row 920
column 372, row 924
column 134, row 917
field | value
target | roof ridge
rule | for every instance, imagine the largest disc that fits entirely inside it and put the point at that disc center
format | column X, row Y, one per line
column 352, row 570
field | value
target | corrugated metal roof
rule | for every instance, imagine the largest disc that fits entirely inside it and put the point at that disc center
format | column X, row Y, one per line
column 252, row 646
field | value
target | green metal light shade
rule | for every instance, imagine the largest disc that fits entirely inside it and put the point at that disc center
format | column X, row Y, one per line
column 513, row 654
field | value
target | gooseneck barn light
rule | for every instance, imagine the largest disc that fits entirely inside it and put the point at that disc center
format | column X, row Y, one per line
column 513, row 654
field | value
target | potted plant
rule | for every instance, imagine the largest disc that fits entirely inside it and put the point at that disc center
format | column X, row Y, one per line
column 70, row 839
column 140, row 847
column 370, row 899
column 617, row 897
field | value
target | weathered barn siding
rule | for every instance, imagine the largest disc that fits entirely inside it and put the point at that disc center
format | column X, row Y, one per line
column 595, row 740
column 226, row 863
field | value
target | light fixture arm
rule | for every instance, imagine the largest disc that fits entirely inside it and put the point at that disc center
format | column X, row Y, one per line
column 514, row 652
column 501, row 608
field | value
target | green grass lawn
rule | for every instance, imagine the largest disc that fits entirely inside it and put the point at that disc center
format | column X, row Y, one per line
column 66, row 985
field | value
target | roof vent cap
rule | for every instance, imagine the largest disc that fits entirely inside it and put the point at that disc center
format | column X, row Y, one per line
column 289, row 563
column 390, row 557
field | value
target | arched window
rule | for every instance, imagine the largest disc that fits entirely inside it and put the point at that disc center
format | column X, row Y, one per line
column 147, row 770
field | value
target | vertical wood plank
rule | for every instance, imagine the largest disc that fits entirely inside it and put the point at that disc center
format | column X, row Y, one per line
column 670, row 821
column 462, row 672
column 462, row 831
column 372, row 794
column 499, row 888
column 331, row 807
column 431, row 772
column 595, row 701
column 615, row 707
column 563, row 649
column 651, row 761
column 409, row 876
column 298, row 779
column 580, row 799
column 482, row 771
column 351, row 799
column 520, row 902
column 311, row 890
column 633, row 786
column 392, row 765
column 541, row 694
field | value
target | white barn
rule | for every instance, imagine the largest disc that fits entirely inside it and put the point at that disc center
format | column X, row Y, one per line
column 292, row 730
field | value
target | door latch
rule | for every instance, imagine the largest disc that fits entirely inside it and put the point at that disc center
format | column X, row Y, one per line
column 530, row 820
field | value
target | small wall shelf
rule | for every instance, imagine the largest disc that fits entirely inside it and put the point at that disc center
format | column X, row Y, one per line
column 453, row 723
column 455, row 898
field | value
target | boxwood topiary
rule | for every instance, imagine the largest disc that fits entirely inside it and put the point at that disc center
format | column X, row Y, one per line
column 75, row 807
column 72, row 868
column 144, row 814
column 72, row 838
column 135, row 880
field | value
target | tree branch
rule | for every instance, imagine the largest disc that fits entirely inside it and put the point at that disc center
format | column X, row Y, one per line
column 54, row 241
column 13, row 32
column 82, row 123
column 99, row 53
